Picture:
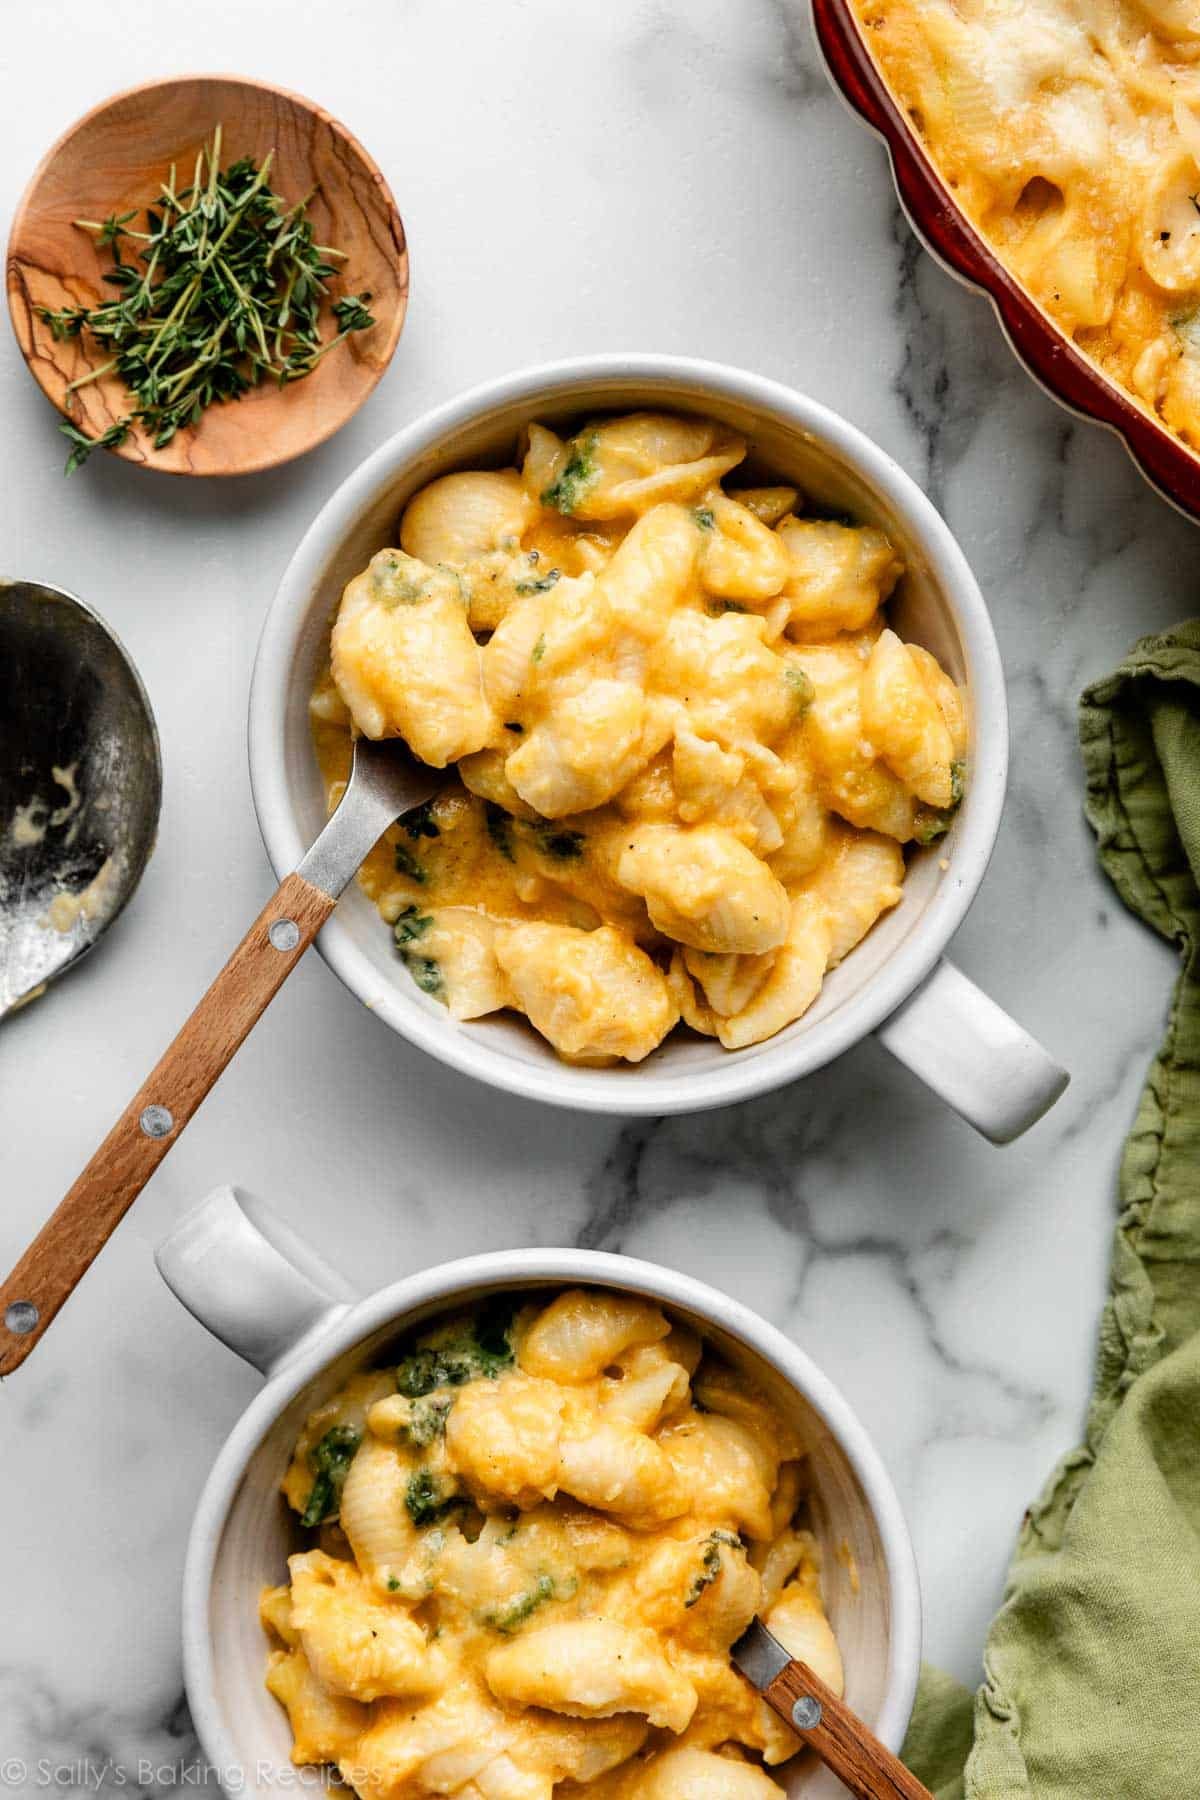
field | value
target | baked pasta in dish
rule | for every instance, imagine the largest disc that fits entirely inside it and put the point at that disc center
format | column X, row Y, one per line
column 536, row 1538
column 1069, row 132
column 688, row 750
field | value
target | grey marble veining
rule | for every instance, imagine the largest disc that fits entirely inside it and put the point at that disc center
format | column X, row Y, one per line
column 657, row 174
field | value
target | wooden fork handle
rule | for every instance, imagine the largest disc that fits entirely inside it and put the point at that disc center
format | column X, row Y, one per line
column 839, row 1737
column 84, row 1221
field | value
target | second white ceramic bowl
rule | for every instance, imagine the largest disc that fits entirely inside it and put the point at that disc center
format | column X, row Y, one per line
column 927, row 1014
column 247, row 1276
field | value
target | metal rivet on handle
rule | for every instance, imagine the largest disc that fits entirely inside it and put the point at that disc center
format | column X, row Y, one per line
column 806, row 1713
column 21, row 1318
column 284, row 934
column 156, row 1121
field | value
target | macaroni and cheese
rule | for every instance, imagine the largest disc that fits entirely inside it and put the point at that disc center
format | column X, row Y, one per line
column 1069, row 131
column 536, row 1538
column 688, row 750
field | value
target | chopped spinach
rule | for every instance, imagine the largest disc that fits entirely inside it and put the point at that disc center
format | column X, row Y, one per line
column 933, row 822
column 399, row 580
column 579, row 473
column 567, row 846
column 426, row 974
column 427, row 1420
column 480, row 1350
column 499, row 829
column 704, row 517
column 411, row 924
column 510, row 1615
column 958, row 776
column 493, row 1332
column 410, row 927
column 930, row 824
column 407, row 864
column 420, row 822
column 803, row 692
column 425, row 1499
column 330, row 1461
column 716, row 609
column 710, row 1565
column 539, row 585
column 539, row 649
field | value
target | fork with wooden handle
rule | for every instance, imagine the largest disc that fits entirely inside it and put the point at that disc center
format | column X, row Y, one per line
column 821, row 1720
column 385, row 783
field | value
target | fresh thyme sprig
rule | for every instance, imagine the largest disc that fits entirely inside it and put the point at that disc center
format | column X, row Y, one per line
column 224, row 288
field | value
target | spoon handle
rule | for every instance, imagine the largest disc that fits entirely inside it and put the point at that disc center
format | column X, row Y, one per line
column 839, row 1737
column 86, row 1218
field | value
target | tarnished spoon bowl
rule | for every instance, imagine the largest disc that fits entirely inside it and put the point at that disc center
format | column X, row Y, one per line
column 80, row 784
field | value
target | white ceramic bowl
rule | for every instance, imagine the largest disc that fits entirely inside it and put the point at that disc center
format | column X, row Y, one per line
column 246, row 1275
column 936, row 1021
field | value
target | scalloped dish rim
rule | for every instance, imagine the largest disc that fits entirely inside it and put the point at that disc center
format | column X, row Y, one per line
column 1045, row 351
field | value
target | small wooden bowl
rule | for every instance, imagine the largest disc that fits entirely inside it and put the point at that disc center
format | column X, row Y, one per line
column 113, row 160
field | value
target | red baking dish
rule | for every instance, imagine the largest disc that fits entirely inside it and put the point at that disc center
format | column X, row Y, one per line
column 1049, row 355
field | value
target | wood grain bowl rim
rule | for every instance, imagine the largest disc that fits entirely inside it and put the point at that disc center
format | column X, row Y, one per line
column 1056, row 363
column 134, row 450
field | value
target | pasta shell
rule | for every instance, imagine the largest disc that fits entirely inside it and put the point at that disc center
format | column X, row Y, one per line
column 373, row 1514
column 594, row 994
column 838, row 575
column 741, row 558
column 357, row 1645
column 793, row 983
column 703, row 1775
column 405, row 662
column 703, row 887
column 862, row 879
column 904, row 722
column 729, row 983
column 592, row 1669
column 325, row 1726
column 581, row 1332
column 465, row 515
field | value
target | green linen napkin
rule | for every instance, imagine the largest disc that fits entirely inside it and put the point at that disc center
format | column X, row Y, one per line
column 1092, row 1665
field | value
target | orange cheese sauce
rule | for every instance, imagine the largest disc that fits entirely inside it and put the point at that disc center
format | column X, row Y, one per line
column 530, row 1543
column 1069, row 132
column 684, row 752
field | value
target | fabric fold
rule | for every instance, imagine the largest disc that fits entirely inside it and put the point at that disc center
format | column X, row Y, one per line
column 1092, row 1664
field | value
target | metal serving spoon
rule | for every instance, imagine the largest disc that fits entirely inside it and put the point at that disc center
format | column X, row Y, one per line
column 80, row 784
column 823, row 1721
column 384, row 784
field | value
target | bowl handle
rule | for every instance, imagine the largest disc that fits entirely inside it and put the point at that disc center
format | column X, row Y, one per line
column 250, row 1279
column 977, row 1059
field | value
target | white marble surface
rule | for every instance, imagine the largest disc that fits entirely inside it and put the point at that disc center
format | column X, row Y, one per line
column 659, row 174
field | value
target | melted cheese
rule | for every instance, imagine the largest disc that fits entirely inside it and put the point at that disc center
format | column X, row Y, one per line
column 550, row 1530
column 667, row 706
column 66, row 910
column 1069, row 131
